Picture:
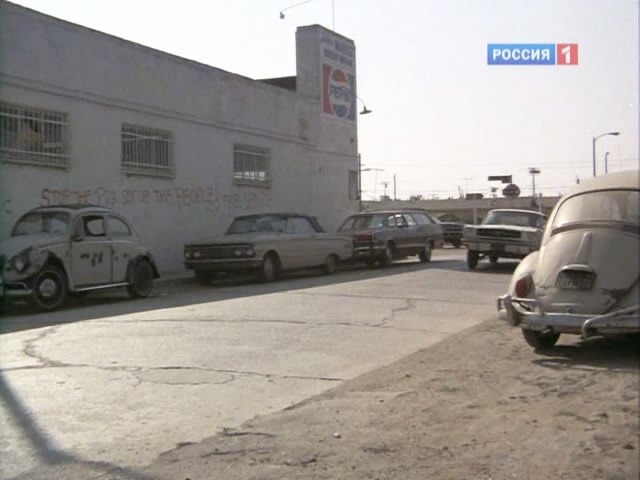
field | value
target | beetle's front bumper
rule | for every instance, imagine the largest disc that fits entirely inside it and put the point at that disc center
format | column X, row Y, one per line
column 14, row 289
column 526, row 313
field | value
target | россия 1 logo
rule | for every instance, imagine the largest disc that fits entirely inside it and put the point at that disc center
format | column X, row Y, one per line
column 532, row 54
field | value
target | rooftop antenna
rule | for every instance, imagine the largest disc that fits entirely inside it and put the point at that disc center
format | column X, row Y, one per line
column 333, row 11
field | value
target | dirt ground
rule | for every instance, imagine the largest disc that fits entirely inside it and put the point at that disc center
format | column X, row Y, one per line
column 480, row 405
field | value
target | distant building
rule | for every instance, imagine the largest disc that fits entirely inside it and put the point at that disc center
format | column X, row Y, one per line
column 177, row 146
column 470, row 211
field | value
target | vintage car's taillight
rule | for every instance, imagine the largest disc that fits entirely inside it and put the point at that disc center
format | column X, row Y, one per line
column 523, row 286
column 364, row 237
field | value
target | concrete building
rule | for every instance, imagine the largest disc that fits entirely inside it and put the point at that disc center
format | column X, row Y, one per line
column 178, row 147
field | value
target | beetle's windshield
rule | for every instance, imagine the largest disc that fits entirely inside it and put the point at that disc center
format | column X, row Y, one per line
column 264, row 223
column 520, row 219
column 42, row 222
column 607, row 206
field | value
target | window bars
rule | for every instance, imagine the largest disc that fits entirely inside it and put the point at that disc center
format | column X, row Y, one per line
column 147, row 151
column 251, row 165
column 33, row 136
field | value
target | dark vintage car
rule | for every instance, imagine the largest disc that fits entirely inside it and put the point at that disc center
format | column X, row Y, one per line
column 504, row 233
column 57, row 250
column 585, row 278
column 384, row 236
column 267, row 244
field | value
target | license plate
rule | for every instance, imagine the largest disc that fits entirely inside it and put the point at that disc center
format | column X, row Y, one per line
column 575, row 280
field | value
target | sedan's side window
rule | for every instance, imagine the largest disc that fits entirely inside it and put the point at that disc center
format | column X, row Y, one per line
column 400, row 220
column 409, row 220
column 117, row 228
column 300, row 225
column 93, row 226
column 391, row 221
column 422, row 219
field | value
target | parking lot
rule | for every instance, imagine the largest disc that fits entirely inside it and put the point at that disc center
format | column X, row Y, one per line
column 109, row 385
column 102, row 378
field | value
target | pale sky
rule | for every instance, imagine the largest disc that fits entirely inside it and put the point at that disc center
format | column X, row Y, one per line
column 442, row 118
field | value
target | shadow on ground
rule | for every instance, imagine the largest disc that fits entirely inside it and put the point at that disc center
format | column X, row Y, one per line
column 185, row 291
column 615, row 354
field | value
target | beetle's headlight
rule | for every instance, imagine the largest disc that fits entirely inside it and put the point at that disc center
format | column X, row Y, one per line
column 29, row 258
column 19, row 263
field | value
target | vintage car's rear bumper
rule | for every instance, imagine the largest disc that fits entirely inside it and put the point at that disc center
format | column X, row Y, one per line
column 526, row 313
column 224, row 265
column 368, row 252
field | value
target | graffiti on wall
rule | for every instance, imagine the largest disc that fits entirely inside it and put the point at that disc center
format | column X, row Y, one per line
column 181, row 197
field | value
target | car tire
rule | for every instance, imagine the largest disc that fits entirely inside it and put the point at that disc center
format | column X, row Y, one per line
column 425, row 254
column 269, row 270
column 387, row 256
column 141, row 280
column 493, row 259
column 204, row 277
column 331, row 264
column 50, row 289
column 539, row 340
column 472, row 259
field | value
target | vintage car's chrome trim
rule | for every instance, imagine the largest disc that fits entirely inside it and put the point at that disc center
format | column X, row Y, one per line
column 223, row 265
column 15, row 289
column 100, row 287
column 526, row 313
column 626, row 314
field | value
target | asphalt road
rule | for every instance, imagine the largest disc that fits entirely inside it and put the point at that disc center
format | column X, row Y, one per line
column 113, row 383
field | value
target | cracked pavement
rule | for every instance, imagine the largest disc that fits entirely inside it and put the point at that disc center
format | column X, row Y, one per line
column 113, row 384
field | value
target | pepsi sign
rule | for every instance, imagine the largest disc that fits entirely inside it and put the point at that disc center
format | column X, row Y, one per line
column 338, row 92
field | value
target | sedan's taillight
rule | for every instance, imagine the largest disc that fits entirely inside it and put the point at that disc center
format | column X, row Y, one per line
column 523, row 286
column 364, row 237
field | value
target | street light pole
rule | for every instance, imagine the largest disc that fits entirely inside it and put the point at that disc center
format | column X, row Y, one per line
column 533, row 172
column 360, row 170
column 595, row 139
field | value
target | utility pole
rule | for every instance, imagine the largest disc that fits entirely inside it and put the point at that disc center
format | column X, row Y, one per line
column 606, row 164
column 394, row 186
column 533, row 171
column 386, row 184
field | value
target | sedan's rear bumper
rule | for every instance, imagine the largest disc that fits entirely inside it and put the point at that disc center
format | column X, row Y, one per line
column 526, row 313
column 368, row 252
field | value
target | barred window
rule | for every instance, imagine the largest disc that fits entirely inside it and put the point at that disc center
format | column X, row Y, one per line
column 251, row 165
column 29, row 135
column 147, row 151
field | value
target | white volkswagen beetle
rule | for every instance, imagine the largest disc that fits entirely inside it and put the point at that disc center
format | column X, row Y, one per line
column 57, row 250
column 585, row 277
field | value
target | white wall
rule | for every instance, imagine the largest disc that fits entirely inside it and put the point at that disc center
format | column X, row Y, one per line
column 101, row 81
